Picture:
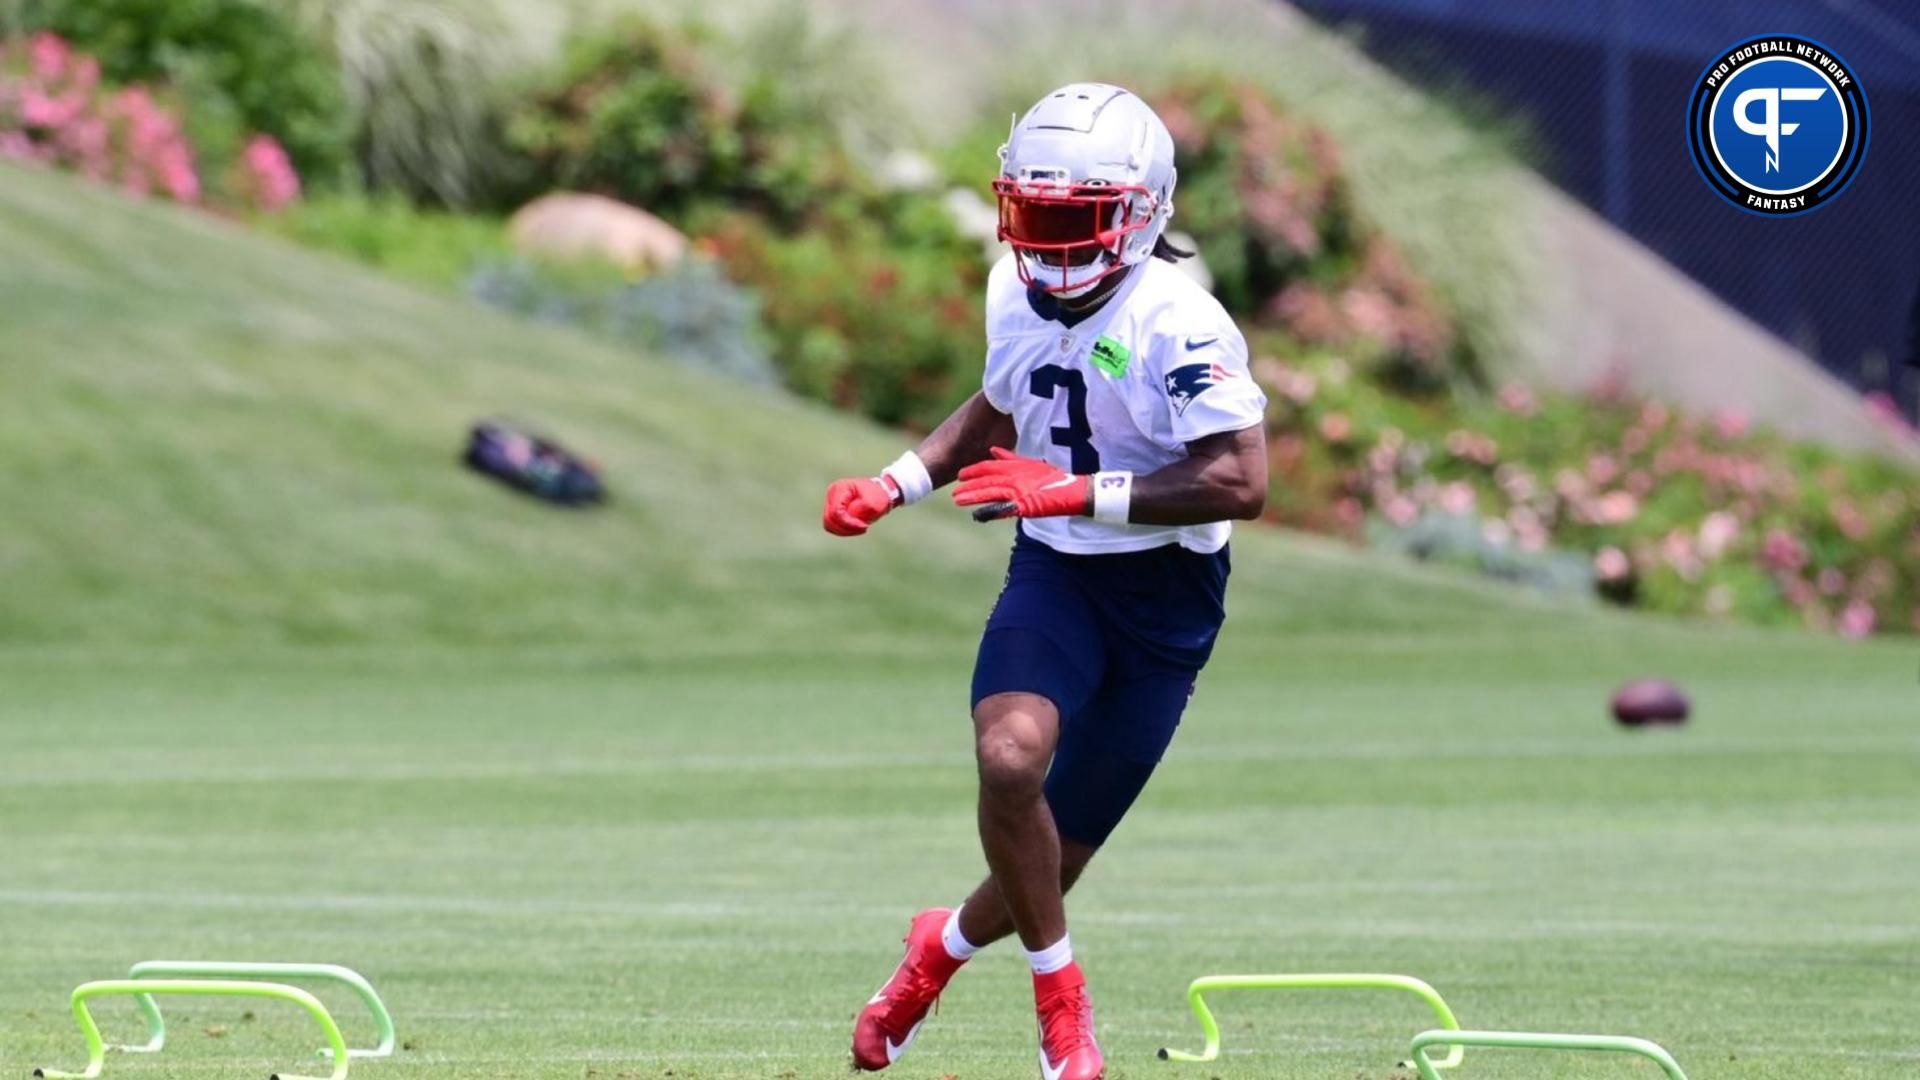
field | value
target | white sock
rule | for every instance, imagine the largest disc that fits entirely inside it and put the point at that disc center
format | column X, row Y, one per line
column 1052, row 958
column 957, row 944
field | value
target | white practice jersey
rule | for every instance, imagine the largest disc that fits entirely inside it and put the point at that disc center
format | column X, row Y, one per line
column 1159, row 365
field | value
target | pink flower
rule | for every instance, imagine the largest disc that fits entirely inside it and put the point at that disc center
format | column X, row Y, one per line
column 274, row 181
column 1518, row 399
column 1831, row 581
column 1527, row 528
column 1717, row 532
column 16, row 146
column 1473, row 446
column 1458, row 498
column 50, row 53
column 1515, row 482
column 1601, row 469
column 1402, row 511
column 1850, row 521
column 1678, row 549
column 1335, row 428
column 1616, row 508
column 1782, row 552
column 1612, row 564
column 1653, row 414
column 1634, row 440
column 43, row 111
column 1857, row 620
column 1298, row 388
column 179, row 180
column 1730, row 424
column 1798, row 592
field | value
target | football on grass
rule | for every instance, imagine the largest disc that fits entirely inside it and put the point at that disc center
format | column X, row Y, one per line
column 1650, row 701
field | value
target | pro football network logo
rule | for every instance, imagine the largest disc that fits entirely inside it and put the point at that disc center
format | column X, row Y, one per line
column 1778, row 125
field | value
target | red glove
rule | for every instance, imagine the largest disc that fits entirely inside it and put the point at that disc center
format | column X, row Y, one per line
column 1035, row 488
column 855, row 504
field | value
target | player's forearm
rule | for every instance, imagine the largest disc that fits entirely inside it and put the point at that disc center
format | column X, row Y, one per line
column 1224, row 477
column 964, row 438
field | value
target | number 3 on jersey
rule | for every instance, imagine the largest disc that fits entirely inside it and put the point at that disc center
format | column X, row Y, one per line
column 1077, row 436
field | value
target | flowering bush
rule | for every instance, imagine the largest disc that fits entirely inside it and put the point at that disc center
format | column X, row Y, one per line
column 881, row 316
column 1267, row 196
column 1680, row 513
column 236, row 66
column 55, row 110
column 639, row 113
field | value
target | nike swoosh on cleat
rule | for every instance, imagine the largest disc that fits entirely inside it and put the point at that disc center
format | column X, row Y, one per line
column 1049, row 1071
column 894, row 1052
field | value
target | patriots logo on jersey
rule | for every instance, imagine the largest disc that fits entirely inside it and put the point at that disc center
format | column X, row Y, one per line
column 1189, row 381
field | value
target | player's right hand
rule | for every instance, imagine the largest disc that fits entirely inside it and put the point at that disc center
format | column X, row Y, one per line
column 854, row 504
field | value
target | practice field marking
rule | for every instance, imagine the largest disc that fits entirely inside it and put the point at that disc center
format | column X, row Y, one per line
column 96, row 1049
column 217, row 969
column 1407, row 983
column 1530, row 1040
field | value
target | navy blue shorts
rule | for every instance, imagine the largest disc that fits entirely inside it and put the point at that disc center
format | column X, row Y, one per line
column 1115, row 642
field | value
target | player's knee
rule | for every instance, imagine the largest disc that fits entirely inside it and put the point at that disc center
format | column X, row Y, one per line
column 1012, row 747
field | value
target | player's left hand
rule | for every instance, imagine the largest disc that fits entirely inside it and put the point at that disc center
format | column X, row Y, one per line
column 1035, row 488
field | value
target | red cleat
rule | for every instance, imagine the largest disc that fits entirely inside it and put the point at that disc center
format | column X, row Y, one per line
column 893, row 1015
column 1067, row 1049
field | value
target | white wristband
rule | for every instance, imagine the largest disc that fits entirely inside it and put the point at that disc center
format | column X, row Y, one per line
column 1112, row 496
column 909, row 473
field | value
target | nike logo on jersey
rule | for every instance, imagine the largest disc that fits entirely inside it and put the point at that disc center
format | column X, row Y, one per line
column 1189, row 381
column 1201, row 342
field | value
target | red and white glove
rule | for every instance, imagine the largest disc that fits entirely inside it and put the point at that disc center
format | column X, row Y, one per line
column 854, row 504
column 1035, row 488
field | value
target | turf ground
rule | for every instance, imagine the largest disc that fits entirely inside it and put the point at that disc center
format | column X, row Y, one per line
column 654, row 791
column 598, row 869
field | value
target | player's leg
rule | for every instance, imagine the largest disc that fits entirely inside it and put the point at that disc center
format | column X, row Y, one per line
column 1042, row 647
column 1105, row 757
column 983, row 919
column 1015, row 735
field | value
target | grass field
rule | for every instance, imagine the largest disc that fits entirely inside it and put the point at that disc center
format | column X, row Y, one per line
column 653, row 792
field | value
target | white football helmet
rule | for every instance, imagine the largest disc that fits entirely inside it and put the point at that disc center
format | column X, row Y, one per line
column 1085, row 186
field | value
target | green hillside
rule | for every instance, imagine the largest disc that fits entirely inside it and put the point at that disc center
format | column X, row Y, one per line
column 213, row 436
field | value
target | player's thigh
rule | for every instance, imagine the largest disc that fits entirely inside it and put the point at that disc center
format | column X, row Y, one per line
column 1109, row 750
column 1043, row 639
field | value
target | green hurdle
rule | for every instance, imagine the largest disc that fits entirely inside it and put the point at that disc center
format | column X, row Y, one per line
column 1531, row 1040
column 1404, row 983
column 96, row 1049
column 221, row 969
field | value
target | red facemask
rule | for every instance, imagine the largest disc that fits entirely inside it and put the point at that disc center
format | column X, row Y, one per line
column 1068, row 227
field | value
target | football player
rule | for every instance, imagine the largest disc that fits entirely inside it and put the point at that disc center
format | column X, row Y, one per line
column 1118, row 423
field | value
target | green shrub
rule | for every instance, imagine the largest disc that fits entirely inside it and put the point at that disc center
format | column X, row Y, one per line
column 638, row 112
column 690, row 313
column 240, row 66
column 428, row 247
column 880, row 315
